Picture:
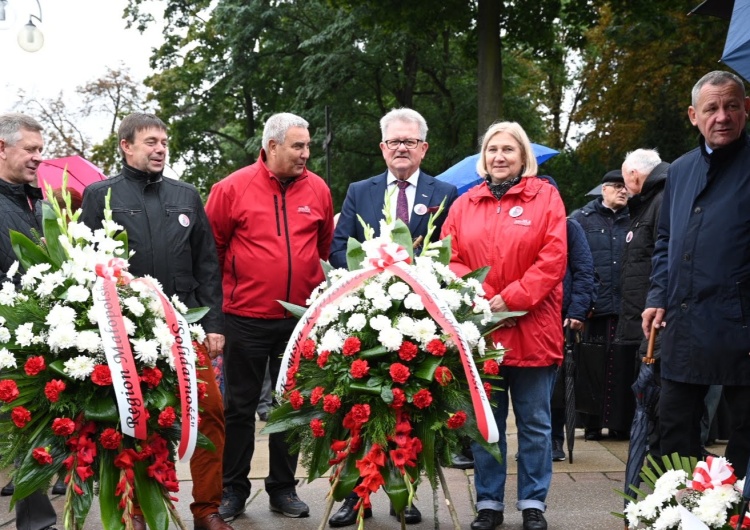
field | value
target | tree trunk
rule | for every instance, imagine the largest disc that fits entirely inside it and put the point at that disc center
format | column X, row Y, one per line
column 489, row 65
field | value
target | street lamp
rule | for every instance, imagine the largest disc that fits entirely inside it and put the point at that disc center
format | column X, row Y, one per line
column 7, row 15
column 30, row 38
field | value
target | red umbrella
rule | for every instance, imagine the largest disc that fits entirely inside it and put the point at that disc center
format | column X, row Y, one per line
column 81, row 172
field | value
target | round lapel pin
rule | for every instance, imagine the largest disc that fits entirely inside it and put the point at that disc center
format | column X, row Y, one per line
column 515, row 211
column 184, row 220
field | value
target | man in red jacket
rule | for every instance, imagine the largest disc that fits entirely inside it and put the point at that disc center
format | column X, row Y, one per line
column 273, row 223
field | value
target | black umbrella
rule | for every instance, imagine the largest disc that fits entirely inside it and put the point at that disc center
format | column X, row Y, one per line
column 646, row 390
column 714, row 8
column 571, row 338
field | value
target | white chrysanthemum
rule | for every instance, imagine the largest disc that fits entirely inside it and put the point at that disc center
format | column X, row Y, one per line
column 407, row 326
column 348, row 304
column 329, row 313
column 25, row 334
column 668, row 518
column 79, row 231
column 34, row 273
column 79, row 367
column 140, row 288
column 713, row 504
column 49, row 283
column 146, row 351
column 77, row 293
column 740, row 484
column 178, row 305
column 649, row 507
column 12, row 270
column 80, row 266
column 8, row 294
column 7, row 359
column 667, row 485
column 379, row 322
column 373, row 290
column 481, row 346
column 482, row 305
column 398, row 290
column 632, row 514
column 197, row 332
column 476, row 286
column 332, row 341
column 62, row 337
column 445, row 273
column 425, row 330
column 390, row 338
column 39, row 339
column 356, row 322
column 155, row 307
column 163, row 335
column 382, row 303
column 129, row 325
column 93, row 315
column 471, row 333
column 134, row 305
column 452, row 298
column 316, row 293
column 4, row 334
column 413, row 302
column 60, row 315
column 89, row 341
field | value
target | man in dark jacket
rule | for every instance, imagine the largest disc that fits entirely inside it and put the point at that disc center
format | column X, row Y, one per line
column 169, row 232
column 21, row 147
column 605, row 221
column 700, row 286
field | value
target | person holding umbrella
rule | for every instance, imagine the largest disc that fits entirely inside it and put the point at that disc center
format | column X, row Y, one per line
column 700, row 284
column 515, row 223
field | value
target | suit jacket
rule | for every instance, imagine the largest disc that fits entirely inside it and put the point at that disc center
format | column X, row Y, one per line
column 366, row 198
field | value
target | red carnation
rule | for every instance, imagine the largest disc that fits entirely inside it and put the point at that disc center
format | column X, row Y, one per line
column 63, row 426
column 360, row 369
column 20, row 416
column 110, row 438
column 308, row 349
column 399, row 373
column 436, row 347
column 735, row 519
column 487, row 388
column 291, row 373
column 42, row 456
column 8, row 390
column 358, row 416
column 443, row 375
column 351, row 346
column 296, row 399
column 331, row 403
column 101, row 375
column 167, row 417
column 316, row 394
column 323, row 358
column 317, row 428
column 422, row 399
column 491, row 367
column 407, row 351
column 151, row 376
column 34, row 365
column 399, row 398
column 53, row 389
column 457, row 420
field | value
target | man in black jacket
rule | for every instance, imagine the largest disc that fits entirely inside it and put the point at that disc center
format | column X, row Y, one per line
column 173, row 242
column 21, row 147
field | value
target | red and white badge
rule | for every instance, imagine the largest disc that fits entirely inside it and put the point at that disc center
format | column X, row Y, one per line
column 184, row 220
column 420, row 209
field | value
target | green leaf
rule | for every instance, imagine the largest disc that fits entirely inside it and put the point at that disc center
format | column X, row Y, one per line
column 444, row 251
column 426, row 434
column 372, row 353
column 82, row 503
column 109, row 476
column 103, row 409
column 160, row 398
column 401, row 235
column 395, row 486
column 348, row 477
column 327, row 268
column 123, row 238
column 365, row 388
column 30, row 475
column 426, row 369
column 355, row 256
column 478, row 274
column 194, row 314
column 59, row 368
column 52, row 235
column 285, row 418
column 151, row 498
column 294, row 309
column 27, row 252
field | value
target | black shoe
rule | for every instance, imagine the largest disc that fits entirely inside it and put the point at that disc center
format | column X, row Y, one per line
column 8, row 489
column 347, row 515
column 619, row 435
column 558, row 455
column 459, row 461
column 487, row 520
column 533, row 519
column 412, row 514
column 231, row 505
column 289, row 504
column 592, row 434
column 60, row 487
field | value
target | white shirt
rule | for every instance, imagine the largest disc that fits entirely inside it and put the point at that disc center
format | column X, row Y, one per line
column 392, row 191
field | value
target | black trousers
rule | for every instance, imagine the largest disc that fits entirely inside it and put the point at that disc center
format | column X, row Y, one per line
column 680, row 410
column 251, row 344
column 35, row 512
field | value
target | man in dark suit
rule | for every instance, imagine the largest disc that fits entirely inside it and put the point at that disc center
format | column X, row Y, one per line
column 414, row 194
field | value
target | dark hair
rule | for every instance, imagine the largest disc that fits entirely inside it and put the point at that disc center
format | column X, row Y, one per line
column 75, row 198
column 134, row 123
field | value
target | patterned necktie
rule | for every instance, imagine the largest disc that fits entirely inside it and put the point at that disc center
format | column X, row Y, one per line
column 402, row 205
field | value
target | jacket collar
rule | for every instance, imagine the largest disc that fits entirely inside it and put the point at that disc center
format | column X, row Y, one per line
column 20, row 191
column 525, row 190
column 141, row 176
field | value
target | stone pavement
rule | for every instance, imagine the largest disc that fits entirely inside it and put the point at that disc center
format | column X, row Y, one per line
column 582, row 496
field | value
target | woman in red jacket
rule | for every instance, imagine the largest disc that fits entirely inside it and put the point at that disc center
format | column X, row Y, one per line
column 515, row 223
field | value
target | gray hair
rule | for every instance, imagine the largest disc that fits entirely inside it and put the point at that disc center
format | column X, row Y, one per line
column 530, row 166
column 405, row 115
column 12, row 123
column 277, row 126
column 642, row 160
column 716, row 78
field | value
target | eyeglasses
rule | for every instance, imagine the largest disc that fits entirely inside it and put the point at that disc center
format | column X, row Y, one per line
column 616, row 185
column 409, row 143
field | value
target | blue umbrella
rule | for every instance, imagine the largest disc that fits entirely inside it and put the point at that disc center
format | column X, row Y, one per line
column 464, row 174
column 737, row 47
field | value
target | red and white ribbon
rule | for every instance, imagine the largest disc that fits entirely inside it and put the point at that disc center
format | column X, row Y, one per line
column 715, row 471
column 125, row 379
column 394, row 259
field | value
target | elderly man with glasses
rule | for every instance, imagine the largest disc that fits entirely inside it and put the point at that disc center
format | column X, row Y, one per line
column 414, row 194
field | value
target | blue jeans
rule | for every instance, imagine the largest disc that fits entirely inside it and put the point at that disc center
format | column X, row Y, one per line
column 531, row 390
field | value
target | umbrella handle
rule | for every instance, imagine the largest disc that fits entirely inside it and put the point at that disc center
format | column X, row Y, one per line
column 649, row 358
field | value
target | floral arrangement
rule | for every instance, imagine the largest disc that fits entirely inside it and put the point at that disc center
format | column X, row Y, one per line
column 80, row 398
column 709, row 497
column 380, row 380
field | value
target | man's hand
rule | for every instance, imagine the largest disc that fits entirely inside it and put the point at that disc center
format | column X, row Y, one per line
column 574, row 324
column 214, row 343
column 652, row 316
